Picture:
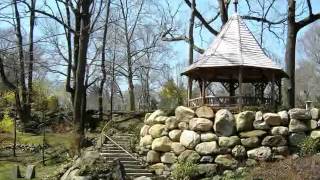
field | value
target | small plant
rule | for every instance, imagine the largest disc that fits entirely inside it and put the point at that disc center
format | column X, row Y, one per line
column 6, row 124
column 185, row 170
column 309, row 146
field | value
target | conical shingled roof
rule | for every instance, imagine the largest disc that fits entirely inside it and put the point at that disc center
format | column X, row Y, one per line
column 235, row 46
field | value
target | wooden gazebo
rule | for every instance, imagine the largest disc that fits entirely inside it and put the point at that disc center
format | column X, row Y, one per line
column 235, row 57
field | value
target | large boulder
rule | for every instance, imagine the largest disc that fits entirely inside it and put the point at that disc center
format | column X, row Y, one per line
column 189, row 156
column 205, row 112
column 261, row 153
column 168, row 158
column 227, row 161
column 315, row 113
column 244, row 121
column 160, row 120
column 144, row 130
column 162, row 144
column 146, row 140
column 183, row 125
column 184, row 114
column 273, row 141
column 250, row 142
column 284, row 117
column 280, row 130
column 224, row 124
column 254, row 133
column 229, row 142
column 272, row 119
column 189, row 139
column 297, row 126
column 315, row 134
column 156, row 130
column 175, row 135
column 158, row 168
column 177, row 148
column 300, row 114
column 296, row 138
column 171, row 123
column 260, row 125
column 239, row 151
column 200, row 124
column 207, row 148
column 207, row 170
column 153, row 157
column 151, row 118
column 281, row 150
column 208, row 136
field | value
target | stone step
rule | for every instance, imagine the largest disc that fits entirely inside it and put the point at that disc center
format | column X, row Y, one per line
column 129, row 170
column 123, row 154
column 120, row 158
column 140, row 174
column 130, row 162
column 133, row 166
column 112, row 151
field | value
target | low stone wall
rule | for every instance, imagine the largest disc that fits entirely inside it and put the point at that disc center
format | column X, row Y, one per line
column 221, row 140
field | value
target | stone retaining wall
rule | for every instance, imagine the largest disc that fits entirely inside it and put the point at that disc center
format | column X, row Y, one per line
column 221, row 140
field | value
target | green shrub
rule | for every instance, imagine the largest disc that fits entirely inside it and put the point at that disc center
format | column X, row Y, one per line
column 7, row 99
column 185, row 171
column 309, row 146
column 6, row 124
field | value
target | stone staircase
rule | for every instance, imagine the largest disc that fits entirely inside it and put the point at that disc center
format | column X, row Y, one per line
column 111, row 151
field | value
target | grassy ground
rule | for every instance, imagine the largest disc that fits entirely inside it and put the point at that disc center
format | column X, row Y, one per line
column 57, row 143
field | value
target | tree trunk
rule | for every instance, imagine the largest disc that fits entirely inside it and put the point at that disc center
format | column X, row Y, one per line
column 80, row 90
column 290, row 55
column 223, row 12
column 132, row 106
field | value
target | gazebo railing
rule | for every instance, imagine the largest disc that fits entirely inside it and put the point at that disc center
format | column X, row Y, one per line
column 229, row 101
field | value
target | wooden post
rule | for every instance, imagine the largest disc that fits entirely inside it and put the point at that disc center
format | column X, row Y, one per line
column 203, row 93
column 280, row 92
column 272, row 91
column 240, row 89
column 189, row 91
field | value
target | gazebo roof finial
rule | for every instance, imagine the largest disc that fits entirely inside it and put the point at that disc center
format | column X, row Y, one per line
column 235, row 6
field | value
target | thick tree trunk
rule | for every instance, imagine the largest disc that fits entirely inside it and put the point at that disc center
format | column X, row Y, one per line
column 290, row 55
column 132, row 106
column 80, row 90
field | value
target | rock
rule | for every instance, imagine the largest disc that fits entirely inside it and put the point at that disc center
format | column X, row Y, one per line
column 168, row 158
column 207, row 170
column 224, row 124
column 158, row 168
column 151, row 118
column 239, row 151
column 250, row 142
column 274, row 141
column 183, row 125
column 280, row 130
column 254, row 133
column 300, row 114
column 153, row 157
column 171, row 123
column 315, row 134
column 156, row 130
column 205, row 112
column 190, row 156
column 272, row 119
column 184, row 114
column 296, row 138
column 315, row 113
column 251, row 162
column 206, row 159
column 284, row 117
column 30, row 172
column 261, row 153
column 281, row 150
column 207, row 148
column 229, row 141
column 162, row 144
column 244, row 121
column 311, row 124
column 224, row 150
column 258, row 116
column 200, row 124
column 208, row 136
column 189, row 139
column 227, row 161
column 297, row 126
column 175, row 135
column 160, row 119
column 144, row 130
column 177, row 148
column 260, row 125
column 146, row 140
column 142, row 178
column 147, row 116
